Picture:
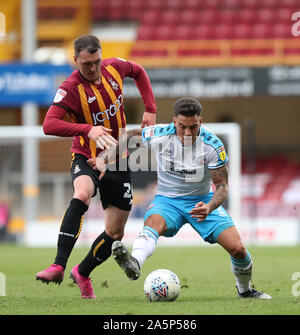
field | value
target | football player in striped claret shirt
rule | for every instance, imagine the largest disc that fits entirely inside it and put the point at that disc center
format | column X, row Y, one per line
column 93, row 98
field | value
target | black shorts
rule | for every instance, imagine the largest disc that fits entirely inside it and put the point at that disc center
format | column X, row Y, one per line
column 114, row 187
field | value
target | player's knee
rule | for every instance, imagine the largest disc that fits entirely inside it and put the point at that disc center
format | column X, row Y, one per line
column 238, row 251
column 117, row 235
column 84, row 196
column 157, row 223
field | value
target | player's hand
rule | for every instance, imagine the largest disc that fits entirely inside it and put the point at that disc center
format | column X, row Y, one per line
column 92, row 163
column 100, row 166
column 149, row 119
column 200, row 211
column 103, row 139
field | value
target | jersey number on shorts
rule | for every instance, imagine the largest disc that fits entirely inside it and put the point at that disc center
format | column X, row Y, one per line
column 127, row 194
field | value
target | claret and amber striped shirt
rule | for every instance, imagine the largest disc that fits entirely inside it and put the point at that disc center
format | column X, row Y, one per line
column 94, row 105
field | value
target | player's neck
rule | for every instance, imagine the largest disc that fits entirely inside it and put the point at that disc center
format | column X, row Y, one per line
column 95, row 82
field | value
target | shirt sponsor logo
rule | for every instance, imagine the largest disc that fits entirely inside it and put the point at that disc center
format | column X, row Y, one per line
column 109, row 112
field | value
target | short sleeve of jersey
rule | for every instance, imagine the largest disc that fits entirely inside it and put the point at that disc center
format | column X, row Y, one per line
column 152, row 136
column 216, row 157
column 148, row 136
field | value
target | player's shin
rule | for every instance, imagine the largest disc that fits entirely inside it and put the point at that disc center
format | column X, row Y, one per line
column 144, row 244
column 99, row 253
column 242, row 270
column 69, row 231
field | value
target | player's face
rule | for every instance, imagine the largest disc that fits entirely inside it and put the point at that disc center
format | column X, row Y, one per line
column 187, row 127
column 89, row 65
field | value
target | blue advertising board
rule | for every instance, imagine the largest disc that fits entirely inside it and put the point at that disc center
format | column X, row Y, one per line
column 20, row 83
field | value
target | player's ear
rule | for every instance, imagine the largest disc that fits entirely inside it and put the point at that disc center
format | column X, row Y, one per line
column 174, row 119
column 75, row 59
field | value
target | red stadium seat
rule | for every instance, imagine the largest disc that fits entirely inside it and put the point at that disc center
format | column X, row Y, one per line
column 115, row 14
column 175, row 4
column 116, row 3
column 266, row 15
column 284, row 15
column 151, row 17
column 285, row 3
column 131, row 4
column 232, row 4
column 262, row 31
column 99, row 10
column 282, row 30
column 165, row 32
column 189, row 16
column 251, row 4
column 241, row 31
column 212, row 4
column 246, row 16
column 193, row 4
column 146, row 33
column 134, row 14
column 228, row 16
column 171, row 17
column 273, row 4
column 184, row 32
column 208, row 16
column 154, row 4
column 203, row 32
column 149, row 53
column 223, row 32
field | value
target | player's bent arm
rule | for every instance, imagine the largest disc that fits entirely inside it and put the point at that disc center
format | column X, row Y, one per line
column 220, row 179
column 144, row 86
column 54, row 124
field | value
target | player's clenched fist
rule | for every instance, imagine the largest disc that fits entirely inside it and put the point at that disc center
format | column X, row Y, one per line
column 103, row 139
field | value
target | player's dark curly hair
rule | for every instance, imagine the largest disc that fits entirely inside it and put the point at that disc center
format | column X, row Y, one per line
column 86, row 42
column 187, row 106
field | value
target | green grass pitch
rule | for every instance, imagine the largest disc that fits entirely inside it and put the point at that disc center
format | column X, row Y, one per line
column 208, row 286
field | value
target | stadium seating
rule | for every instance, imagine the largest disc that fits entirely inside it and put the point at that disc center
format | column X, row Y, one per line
column 190, row 20
column 174, row 20
column 266, row 191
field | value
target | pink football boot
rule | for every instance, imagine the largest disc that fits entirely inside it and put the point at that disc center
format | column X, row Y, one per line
column 54, row 274
column 84, row 284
